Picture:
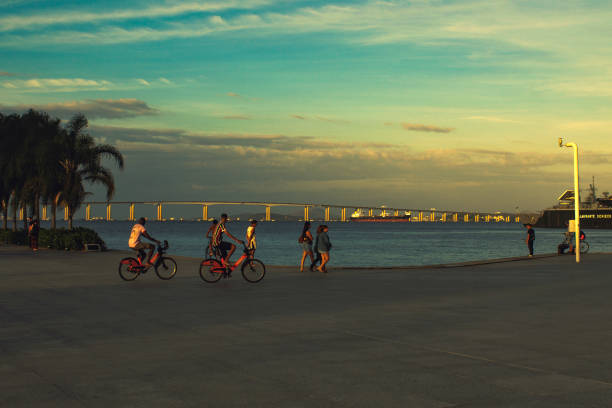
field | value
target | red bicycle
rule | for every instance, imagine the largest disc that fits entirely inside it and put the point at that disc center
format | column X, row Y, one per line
column 165, row 267
column 212, row 269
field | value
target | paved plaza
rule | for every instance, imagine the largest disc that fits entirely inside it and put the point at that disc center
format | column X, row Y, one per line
column 528, row 333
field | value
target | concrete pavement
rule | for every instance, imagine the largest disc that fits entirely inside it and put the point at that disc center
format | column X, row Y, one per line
column 533, row 333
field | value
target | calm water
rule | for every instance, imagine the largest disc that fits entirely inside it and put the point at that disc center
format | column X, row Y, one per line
column 362, row 244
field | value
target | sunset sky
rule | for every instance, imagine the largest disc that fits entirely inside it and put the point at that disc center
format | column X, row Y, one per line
column 447, row 104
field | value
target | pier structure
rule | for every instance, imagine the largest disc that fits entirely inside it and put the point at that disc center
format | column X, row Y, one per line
column 329, row 210
column 418, row 215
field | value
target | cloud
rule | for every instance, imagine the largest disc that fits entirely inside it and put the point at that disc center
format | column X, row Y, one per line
column 491, row 119
column 165, row 81
column 68, row 17
column 236, row 117
column 320, row 118
column 415, row 127
column 56, row 84
column 7, row 74
column 263, row 166
column 91, row 108
column 143, row 82
column 234, row 95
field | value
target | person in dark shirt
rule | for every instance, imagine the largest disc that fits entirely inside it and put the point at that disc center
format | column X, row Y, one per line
column 33, row 231
column 530, row 238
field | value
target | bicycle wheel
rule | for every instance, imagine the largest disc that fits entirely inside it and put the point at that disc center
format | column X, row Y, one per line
column 584, row 247
column 129, row 269
column 166, row 268
column 211, row 270
column 253, row 270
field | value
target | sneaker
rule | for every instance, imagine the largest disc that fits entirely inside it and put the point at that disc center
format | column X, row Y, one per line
column 531, row 256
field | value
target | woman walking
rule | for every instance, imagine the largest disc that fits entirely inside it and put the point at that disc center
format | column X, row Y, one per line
column 305, row 241
column 323, row 246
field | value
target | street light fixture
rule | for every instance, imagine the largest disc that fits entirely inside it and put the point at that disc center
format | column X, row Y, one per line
column 576, row 197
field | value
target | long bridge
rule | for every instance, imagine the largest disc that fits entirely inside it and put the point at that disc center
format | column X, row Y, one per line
column 417, row 215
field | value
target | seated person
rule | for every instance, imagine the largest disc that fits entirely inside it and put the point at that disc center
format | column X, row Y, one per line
column 582, row 238
column 137, row 231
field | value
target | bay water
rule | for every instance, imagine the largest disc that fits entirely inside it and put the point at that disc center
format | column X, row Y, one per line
column 359, row 244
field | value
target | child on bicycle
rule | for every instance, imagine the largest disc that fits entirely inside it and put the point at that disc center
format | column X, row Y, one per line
column 251, row 243
column 139, row 230
column 209, row 235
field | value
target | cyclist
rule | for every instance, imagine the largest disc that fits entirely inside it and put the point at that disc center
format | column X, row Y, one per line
column 209, row 235
column 582, row 237
column 250, row 238
column 224, row 246
column 139, row 230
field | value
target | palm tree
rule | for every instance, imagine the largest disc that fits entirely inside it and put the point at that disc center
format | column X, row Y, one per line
column 11, row 166
column 81, row 161
column 39, row 139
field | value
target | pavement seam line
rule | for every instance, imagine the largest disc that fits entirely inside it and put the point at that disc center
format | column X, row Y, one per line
column 476, row 358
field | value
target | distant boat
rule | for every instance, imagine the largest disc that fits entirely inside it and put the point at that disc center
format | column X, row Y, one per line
column 595, row 212
column 384, row 216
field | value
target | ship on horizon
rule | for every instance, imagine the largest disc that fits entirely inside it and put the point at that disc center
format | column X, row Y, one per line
column 595, row 212
column 384, row 216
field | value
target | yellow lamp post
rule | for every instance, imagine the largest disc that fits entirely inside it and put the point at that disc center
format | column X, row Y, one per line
column 576, row 197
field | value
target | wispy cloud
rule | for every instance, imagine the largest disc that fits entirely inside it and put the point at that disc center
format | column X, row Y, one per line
column 233, row 95
column 143, row 82
column 175, row 8
column 56, row 83
column 165, row 81
column 415, row 127
column 236, row 117
column 319, row 118
column 92, row 108
column 491, row 119
column 7, row 74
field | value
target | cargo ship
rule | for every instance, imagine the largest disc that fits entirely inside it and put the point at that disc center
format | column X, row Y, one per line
column 384, row 216
column 595, row 212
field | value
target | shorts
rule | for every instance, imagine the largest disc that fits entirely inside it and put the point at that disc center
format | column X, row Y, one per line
column 142, row 245
column 306, row 246
column 223, row 248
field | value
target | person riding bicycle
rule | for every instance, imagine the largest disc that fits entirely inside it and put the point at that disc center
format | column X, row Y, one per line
column 209, row 235
column 251, row 244
column 224, row 246
column 139, row 230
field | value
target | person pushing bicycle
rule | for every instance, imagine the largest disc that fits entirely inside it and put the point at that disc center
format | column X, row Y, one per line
column 139, row 230
column 224, row 246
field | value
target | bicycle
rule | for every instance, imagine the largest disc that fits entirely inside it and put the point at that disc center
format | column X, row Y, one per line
column 165, row 267
column 212, row 269
column 567, row 241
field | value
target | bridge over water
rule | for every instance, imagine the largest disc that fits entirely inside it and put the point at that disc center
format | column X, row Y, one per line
column 418, row 215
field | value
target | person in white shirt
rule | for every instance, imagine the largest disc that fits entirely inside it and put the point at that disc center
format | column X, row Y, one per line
column 250, row 238
column 135, row 243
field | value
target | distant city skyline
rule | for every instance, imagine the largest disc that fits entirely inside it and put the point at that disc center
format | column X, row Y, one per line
column 420, row 104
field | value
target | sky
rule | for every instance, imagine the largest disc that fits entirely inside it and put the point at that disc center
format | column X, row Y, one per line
column 417, row 104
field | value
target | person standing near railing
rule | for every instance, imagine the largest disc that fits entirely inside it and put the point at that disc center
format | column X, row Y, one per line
column 530, row 238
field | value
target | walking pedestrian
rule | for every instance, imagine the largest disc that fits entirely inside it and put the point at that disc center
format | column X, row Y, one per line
column 530, row 238
column 33, row 231
column 324, row 246
column 315, row 249
column 305, row 241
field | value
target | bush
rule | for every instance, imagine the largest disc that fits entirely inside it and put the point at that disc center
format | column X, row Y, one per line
column 19, row 237
column 60, row 238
